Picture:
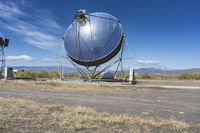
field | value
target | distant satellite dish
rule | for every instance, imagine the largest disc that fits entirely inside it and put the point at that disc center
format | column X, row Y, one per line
column 93, row 39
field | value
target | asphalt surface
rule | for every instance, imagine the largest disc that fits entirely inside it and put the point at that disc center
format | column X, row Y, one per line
column 179, row 104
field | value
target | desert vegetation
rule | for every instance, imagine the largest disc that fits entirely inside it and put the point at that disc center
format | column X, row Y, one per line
column 158, row 76
column 194, row 76
column 44, row 74
column 55, row 74
column 37, row 74
column 184, row 76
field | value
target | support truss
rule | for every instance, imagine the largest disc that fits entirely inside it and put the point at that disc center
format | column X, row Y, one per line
column 94, row 73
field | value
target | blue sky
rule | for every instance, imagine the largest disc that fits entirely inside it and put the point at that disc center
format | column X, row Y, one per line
column 160, row 33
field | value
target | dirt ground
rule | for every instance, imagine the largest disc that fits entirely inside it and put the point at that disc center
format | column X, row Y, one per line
column 178, row 104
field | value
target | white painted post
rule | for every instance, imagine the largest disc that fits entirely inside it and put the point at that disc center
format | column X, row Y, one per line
column 5, row 73
column 131, row 76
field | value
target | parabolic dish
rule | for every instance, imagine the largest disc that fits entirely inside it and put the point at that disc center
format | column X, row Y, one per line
column 93, row 39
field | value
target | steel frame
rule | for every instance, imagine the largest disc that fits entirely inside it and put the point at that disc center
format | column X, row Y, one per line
column 94, row 71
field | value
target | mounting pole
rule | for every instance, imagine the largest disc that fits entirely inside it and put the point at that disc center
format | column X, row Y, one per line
column 3, row 43
column 2, row 60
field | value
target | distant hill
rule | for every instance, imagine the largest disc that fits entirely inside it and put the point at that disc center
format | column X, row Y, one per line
column 140, row 70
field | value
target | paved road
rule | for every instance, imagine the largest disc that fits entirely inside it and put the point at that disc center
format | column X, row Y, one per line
column 181, row 104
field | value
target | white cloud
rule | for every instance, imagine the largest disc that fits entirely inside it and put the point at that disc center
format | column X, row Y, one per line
column 9, row 10
column 148, row 63
column 46, row 60
column 36, row 26
column 19, row 57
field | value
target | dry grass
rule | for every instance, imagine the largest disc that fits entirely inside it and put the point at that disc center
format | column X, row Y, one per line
column 57, row 85
column 22, row 115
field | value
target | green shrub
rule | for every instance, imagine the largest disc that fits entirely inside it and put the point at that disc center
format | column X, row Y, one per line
column 26, row 74
column 146, row 76
column 54, row 74
column 39, row 74
column 195, row 76
column 42, row 74
column 72, row 75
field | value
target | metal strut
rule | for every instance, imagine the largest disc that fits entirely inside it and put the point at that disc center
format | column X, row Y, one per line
column 79, row 69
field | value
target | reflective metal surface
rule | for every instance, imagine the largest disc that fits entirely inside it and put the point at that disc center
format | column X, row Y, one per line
column 93, row 39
